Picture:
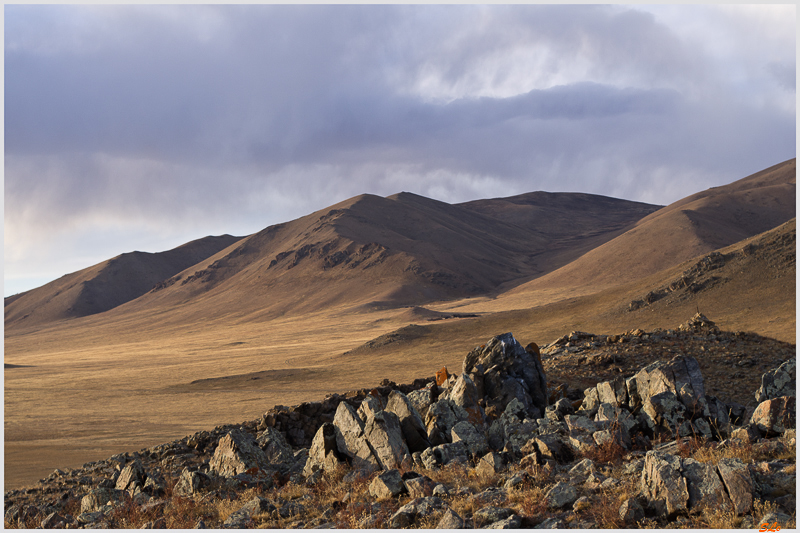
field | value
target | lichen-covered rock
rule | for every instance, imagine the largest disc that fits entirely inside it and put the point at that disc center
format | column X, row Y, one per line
column 444, row 453
column 414, row 430
column 275, row 447
column 237, row 453
column 663, row 485
column 780, row 381
column 561, row 495
column 773, row 417
column 511, row 372
column 442, row 416
column 387, row 485
column 323, row 454
column 474, row 440
column 132, row 476
column 350, row 439
column 97, row 498
column 738, row 483
column 384, row 434
column 704, row 485
column 190, row 482
column 464, row 394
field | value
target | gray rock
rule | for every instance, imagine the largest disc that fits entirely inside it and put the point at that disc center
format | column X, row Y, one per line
column 464, row 394
column 322, row 456
column 414, row 430
column 53, row 521
column 441, row 491
column 746, row 434
column 773, row 417
column 738, row 483
column 369, row 406
column 512, row 522
column 474, row 440
column 421, row 400
column 515, row 481
column 415, row 510
column 350, row 439
column 387, row 485
column 704, row 485
column 131, row 476
column 549, row 447
column 450, row 520
column 236, row 453
column 273, row 443
column 98, row 498
column 442, row 416
column 190, row 483
column 780, row 381
column 561, row 495
column 419, row 487
column 580, row 423
column 630, row 511
column 444, row 454
column 583, row 468
column 663, row 485
column 490, row 514
column 384, row 434
column 552, row 523
column 771, row 519
column 490, row 464
column 257, row 506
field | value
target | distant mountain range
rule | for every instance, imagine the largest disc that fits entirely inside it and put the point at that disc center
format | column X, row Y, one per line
column 370, row 252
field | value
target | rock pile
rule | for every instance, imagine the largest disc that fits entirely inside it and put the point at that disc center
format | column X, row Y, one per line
column 494, row 419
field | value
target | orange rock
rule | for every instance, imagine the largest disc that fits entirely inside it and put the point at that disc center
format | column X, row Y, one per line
column 442, row 375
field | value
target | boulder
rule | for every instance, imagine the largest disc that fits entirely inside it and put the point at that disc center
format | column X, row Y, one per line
column 738, row 483
column 420, row 486
column 511, row 372
column 704, row 485
column 190, row 483
column 384, row 434
column 560, row 495
column 132, row 476
column 414, row 430
column 350, row 439
column 97, row 498
column 681, row 376
column 274, row 445
column 442, row 416
column 780, row 381
column 630, row 511
column 323, row 454
column 663, row 485
column 490, row 515
column 474, row 440
column 465, row 394
column 236, row 453
column 443, row 454
column 421, row 399
column 415, row 510
column 549, row 447
column 450, row 520
column 490, row 464
column 773, row 417
column 512, row 430
column 512, row 522
column 387, row 485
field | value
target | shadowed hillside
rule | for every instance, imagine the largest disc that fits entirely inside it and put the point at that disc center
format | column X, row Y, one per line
column 106, row 285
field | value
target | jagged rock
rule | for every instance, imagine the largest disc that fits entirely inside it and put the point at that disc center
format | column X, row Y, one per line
column 739, row 484
column 383, row 433
column 369, row 406
column 746, row 434
column 490, row 515
column 512, row 522
column 663, row 485
column 549, row 447
column 665, row 410
column 132, row 476
column 780, row 381
column 443, row 454
column 322, row 456
column 773, row 417
column 489, row 496
column 474, row 440
column 490, row 464
column 414, row 430
column 190, row 482
column 591, row 401
column 387, row 485
column 616, row 434
column 516, row 480
column 415, row 510
column 98, row 498
column 243, row 516
column 552, row 523
column 275, row 447
column 704, row 485
column 512, row 430
column 630, row 511
column 464, row 394
column 582, row 443
column 53, row 521
column 350, row 439
column 560, row 495
column 511, row 372
column 236, row 453
column 450, row 520
column 442, row 416
column 583, row 468
column 420, row 486
column 580, row 423
column 421, row 400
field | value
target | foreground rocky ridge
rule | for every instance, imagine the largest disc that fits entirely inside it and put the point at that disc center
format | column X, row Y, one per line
column 491, row 446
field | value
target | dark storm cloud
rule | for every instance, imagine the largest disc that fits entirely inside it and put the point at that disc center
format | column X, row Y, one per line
column 229, row 118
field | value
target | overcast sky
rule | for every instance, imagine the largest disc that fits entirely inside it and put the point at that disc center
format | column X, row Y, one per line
column 144, row 127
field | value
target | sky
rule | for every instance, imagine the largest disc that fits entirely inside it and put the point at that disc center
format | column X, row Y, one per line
column 144, row 127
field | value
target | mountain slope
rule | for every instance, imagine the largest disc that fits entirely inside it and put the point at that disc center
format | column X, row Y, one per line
column 106, row 285
column 696, row 225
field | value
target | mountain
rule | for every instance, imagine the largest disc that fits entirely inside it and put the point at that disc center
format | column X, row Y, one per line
column 106, row 285
column 695, row 225
column 366, row 251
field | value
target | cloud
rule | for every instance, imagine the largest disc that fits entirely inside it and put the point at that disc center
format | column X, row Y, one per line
column 230, row 118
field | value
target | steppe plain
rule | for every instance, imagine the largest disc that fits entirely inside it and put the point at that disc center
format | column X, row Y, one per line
column 146, row 348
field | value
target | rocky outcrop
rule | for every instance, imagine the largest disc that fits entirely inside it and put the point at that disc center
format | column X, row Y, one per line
column 237, row 453
column 778, row 382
